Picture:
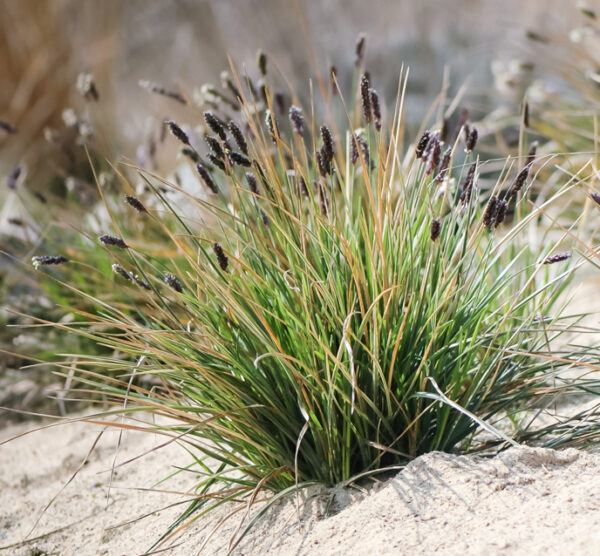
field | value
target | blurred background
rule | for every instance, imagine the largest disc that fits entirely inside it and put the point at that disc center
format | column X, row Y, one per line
column 499, row 50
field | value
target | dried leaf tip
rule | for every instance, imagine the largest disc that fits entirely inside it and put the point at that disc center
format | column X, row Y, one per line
column 113, row 241
column 173, row 283
column 557, row 258
column 135, row 203
column 177, row 132
column 221, row 257
column 43, row 260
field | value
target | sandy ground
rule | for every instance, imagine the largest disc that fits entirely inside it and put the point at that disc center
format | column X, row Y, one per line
column 524, row 501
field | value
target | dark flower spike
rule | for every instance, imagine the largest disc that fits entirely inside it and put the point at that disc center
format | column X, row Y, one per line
column 7, row 127
column 177, row 132
column 271, row 125
column 358, row 143
column 297, row 120
column 173, row 283
column 365, row 97
column 500, row 212
column 526, row 115
column 328, row 145
column 445, row 164
column 113, row 241
column 252, row 182
column 323, row 201
column 135, row 203
column 13, row 178
column 221, row 257
column 468, row 184
column 191, row 154
column 322, row 164
column 435, row 229
column 215, row 146
column 215, row 124
column 376, row 108
column 43, row 260
column 559, row 257
column 596, row 198
column 422, row 144
column 303, row 187
column 519, row 182
column 118, row 269
column 471, row 140
column 489, row 215
column 360, row 50
column 280, row 102
column 434, row 154
column 141, row 282
column 216, row 161
column 265, row 218
column 262, row 62
column 157, row 89
column 237, row 134
column 206, row 178
column 444, row 130
column 239, row 159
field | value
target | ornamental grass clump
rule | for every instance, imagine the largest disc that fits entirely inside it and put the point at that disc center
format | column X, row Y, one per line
column 340, row 309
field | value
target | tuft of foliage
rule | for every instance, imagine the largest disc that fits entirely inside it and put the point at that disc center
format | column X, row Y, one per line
column 340, row 310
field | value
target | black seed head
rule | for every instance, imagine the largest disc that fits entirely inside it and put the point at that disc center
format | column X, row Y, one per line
column 333, row 78
column 206, row 178
column 303, row 187
column 468, row 184
column 297, row 120
column 118, row 269
column 239, row 159
column 13, row 178
column 114, row 241
column 596, row 198
column 7, row 127
column 376, row 108
column 445, row 164
column 472, row 137
column 173, row 283
column 422, row 144
column 252, row 182
column 135, row 203
column 559, row 257
column 271, row 125
column 177, row 132
column 366, row 98
column 215, row 124
column 360, row 49
column 501, row 209
column 531, row 154
column 221, row 257
column 489, row 215
column 237, row 134
column 435, row 229
column 262, row 62
column 215, row 146
column 43, row 260
column 157, row 89
column 434, row 152
column 216, row 161
column 519, row 182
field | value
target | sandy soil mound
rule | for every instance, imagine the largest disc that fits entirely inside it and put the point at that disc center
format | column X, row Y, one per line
column 521, row 502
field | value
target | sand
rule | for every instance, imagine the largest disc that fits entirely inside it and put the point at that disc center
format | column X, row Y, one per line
column 523, row 501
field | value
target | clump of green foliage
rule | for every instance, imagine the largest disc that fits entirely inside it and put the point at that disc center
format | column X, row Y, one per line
column 340, row 304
